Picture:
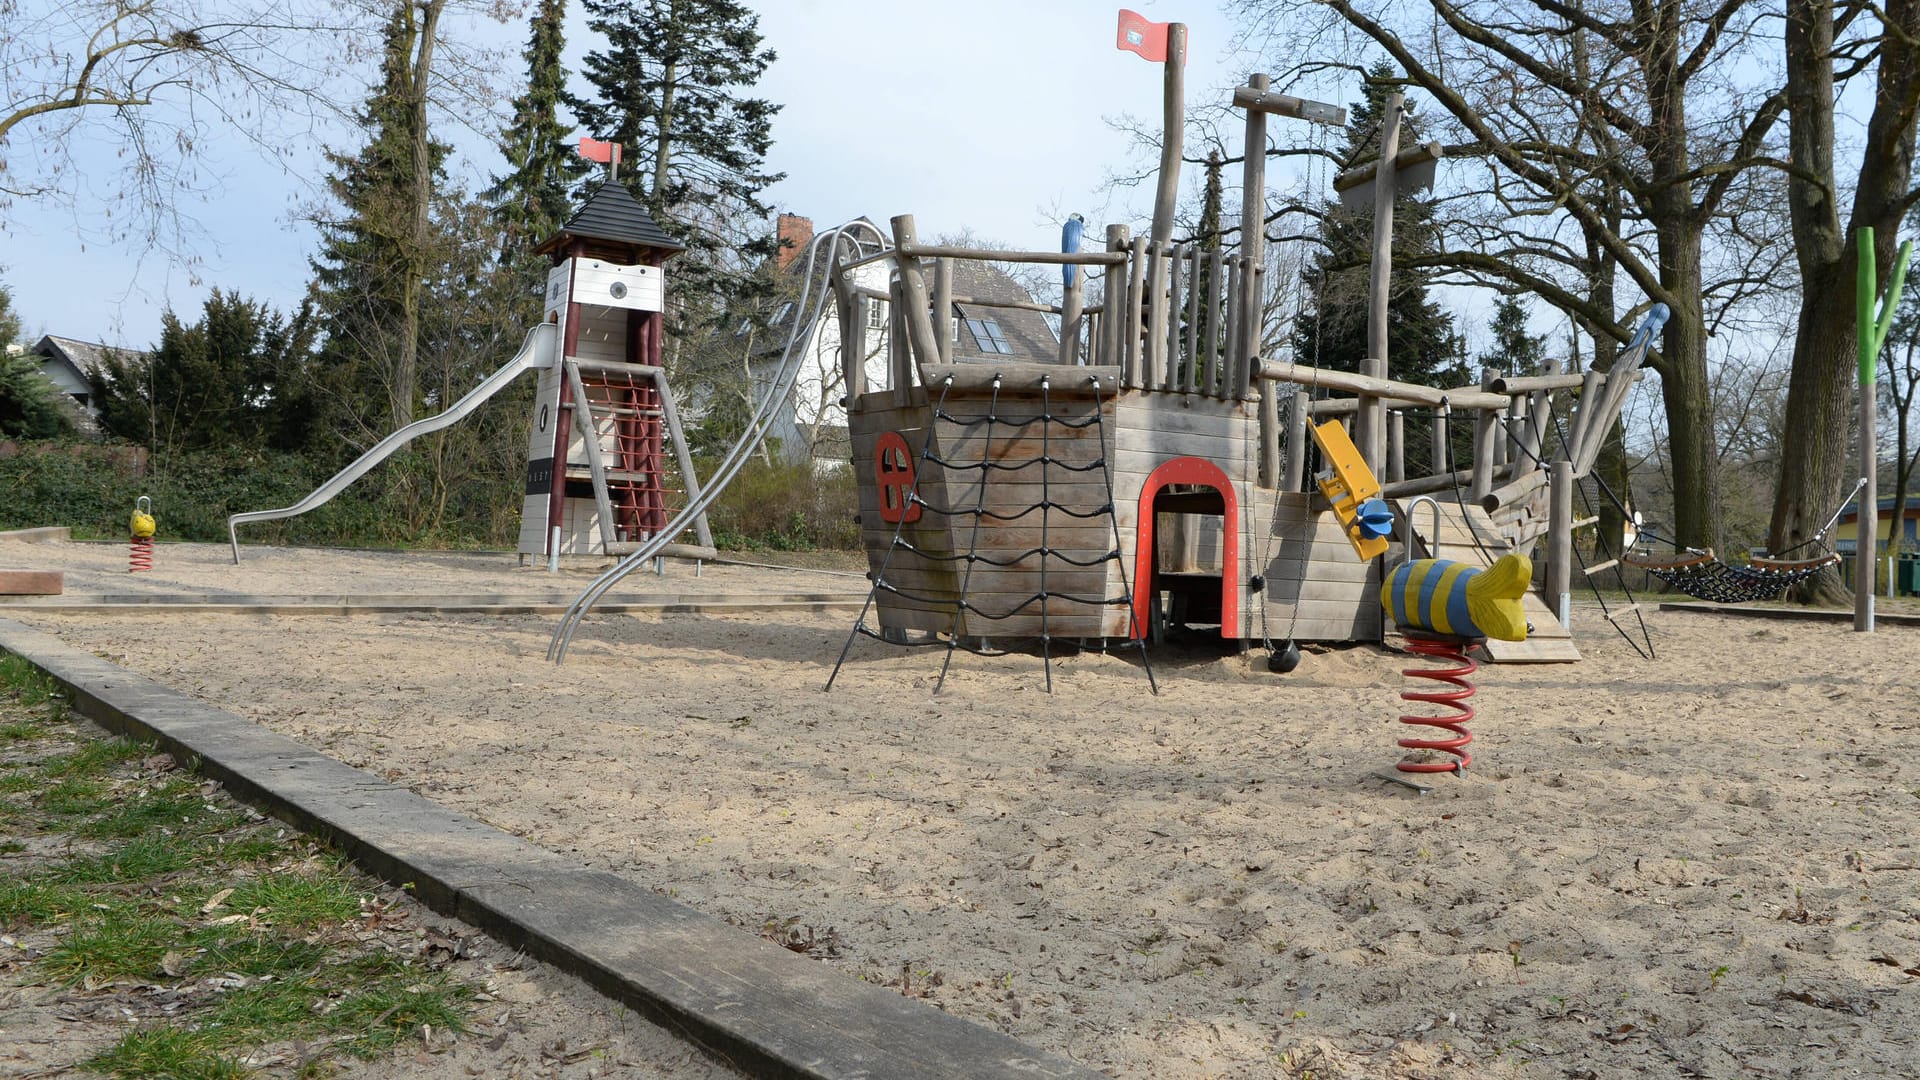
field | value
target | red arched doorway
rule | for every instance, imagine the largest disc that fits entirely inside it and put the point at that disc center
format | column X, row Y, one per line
column 1195, row 472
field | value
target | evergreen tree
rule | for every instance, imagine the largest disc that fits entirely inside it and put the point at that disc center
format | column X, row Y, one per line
column 673, row 89
column 1514, row 351
column 532, row 200
column 218, row 383
column 30, row 406
column 369, row 279
column 1332, row 331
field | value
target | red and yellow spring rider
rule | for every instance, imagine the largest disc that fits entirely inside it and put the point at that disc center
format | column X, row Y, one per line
column 142, row 526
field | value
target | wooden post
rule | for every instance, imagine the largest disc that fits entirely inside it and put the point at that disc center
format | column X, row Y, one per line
column 1191, row 358
column 1131, row 331
column 1296, row 477
column 1396, row 445
column 913, row 289
column 1153, row 372
column 1173, row 125
column 853, row 348
column 1560, row 543
column 1113, row 304
column 1234, row 361
column 1583, row 418
column 1244, row 335
column 1170, row 377
column 1210, row 340
column 899, row 360
column 1485, row 432
column 1368, row 429
column 943, row 310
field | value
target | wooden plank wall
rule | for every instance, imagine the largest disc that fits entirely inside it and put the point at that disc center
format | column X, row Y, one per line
column 1075, row 481
column 1317, row 588
column 1154, row 428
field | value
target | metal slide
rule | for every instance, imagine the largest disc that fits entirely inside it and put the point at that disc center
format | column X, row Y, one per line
column 536, row 352
column 809, row 308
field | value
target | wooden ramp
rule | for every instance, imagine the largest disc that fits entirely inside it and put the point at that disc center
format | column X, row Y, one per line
column 1548, row 642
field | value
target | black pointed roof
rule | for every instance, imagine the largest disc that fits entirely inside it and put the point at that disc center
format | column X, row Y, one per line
column 612, row 213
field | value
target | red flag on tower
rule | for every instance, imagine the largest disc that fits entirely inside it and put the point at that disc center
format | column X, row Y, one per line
column 1138, row 34
column 595, row 150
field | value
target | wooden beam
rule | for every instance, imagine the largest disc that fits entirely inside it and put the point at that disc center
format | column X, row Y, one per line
column 1409, row 158
column 1259, row 99
column 950, row 251
column 1464, row 398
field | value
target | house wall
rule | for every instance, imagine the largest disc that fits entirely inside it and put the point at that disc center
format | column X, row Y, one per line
column 810, row 403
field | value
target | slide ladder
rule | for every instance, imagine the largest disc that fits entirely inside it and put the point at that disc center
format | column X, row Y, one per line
column 537, row 351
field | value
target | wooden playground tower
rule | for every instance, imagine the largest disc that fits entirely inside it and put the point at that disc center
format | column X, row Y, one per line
column 599, row 479
column 1151, row 475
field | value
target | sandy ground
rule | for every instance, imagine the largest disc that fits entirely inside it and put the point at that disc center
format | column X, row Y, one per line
column 1699, row 865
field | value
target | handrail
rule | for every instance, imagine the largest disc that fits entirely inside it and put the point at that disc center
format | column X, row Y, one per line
column 536, row 351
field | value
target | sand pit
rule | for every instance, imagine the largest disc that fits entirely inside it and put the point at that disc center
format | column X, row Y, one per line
column 1702, row 865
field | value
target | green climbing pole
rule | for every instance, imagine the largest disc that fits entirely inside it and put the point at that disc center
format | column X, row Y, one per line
column 1872, row 333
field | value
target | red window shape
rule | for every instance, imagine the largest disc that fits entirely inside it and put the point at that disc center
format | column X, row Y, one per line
column 893, row 470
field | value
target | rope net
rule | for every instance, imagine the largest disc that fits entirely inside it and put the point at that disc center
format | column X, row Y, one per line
column 1705, row 577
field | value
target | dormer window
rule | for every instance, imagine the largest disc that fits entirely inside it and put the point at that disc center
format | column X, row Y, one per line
column 987, row 333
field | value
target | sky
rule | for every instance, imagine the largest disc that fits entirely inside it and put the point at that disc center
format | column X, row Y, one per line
column 989, row 116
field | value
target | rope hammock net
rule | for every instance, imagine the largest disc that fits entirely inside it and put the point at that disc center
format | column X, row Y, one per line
column 1703, row 576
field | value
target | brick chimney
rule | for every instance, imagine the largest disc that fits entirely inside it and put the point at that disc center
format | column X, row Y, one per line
column 795, row 233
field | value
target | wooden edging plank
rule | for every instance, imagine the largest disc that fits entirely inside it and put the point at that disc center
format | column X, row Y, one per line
column 1791, row 614
column 375, row 605
column 766, row 1009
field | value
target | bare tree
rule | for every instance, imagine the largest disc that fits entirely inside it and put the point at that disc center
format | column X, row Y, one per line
column 153, row 80
column 1823, row 51
column 1619, row 130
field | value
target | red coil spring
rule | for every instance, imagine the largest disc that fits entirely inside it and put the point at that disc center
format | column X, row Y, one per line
column 140, row 557
column 1455, row 699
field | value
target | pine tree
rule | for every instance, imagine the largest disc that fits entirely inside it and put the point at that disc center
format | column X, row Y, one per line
column 532, row 200
column 1514, row 351
column 673, row 89
column 212, row 384
column 29, row 402
column 1418, row 332
column 369, row 279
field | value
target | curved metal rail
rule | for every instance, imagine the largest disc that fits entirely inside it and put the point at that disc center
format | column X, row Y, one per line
column 777, row 393
column 536, row 351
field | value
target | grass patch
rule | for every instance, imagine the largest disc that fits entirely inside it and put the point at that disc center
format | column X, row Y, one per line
column 28, row 685
column 73, row 796
column 21, row 731
column 300, row 902
column 92, row 759
column 31, row 902
column 168, row 1052
column 142, row 858
column 176, row 805
column 116, row 944
column 163, row 882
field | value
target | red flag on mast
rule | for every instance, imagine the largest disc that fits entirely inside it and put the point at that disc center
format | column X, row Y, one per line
column 1138, row 34
column 595, row 150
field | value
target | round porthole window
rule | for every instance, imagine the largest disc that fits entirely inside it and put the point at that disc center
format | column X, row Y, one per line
column 618, row 289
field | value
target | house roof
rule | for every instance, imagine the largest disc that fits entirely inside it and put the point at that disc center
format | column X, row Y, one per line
column 1886, row 507
column 84, row 357
column 612, row 213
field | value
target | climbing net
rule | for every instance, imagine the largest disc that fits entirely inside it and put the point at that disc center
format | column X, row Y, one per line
column 1052, row 558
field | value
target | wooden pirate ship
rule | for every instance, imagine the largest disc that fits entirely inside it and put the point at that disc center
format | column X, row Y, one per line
column 1158, row 472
